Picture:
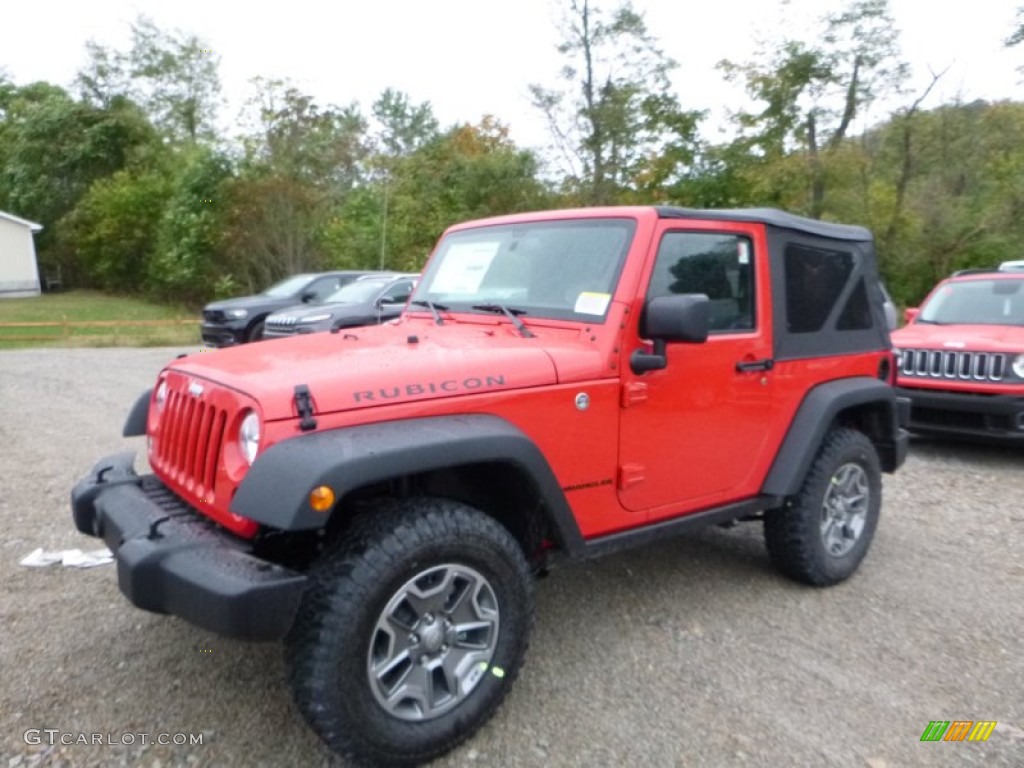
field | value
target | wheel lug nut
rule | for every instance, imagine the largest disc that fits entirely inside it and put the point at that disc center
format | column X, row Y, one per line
column 414, row 638
column 428, row 617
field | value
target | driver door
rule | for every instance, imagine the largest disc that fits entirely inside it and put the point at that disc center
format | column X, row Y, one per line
column 692, row 433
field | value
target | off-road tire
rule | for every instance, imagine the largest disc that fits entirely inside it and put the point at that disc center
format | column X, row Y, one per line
column 794, row 532
column 350, row 589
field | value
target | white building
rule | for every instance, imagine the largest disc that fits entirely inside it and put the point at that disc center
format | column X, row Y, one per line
column 19, row 273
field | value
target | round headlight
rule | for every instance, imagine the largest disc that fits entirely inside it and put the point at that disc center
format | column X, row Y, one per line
column 249, row 436
column 161, row 395
column 1018, row 366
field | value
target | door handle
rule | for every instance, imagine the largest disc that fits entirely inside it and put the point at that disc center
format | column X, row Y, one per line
column 755, row 365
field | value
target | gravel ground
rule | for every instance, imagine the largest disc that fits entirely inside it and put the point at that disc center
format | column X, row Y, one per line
column 688, row 652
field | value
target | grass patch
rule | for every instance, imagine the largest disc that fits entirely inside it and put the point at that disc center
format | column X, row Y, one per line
column 129, row 322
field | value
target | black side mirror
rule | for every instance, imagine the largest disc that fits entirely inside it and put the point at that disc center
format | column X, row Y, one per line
column 308, row 296
column 682, row 318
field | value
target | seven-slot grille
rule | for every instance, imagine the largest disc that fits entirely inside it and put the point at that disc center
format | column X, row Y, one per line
column 191, row 436
column 284, row 321
column 947, row 364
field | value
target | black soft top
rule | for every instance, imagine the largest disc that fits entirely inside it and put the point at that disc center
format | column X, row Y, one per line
column 772, row 217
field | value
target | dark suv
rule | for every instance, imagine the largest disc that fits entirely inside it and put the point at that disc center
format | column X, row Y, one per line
column 236, row 321
column 370, row 300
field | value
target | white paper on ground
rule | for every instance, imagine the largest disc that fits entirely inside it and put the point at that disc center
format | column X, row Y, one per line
column 71, row 558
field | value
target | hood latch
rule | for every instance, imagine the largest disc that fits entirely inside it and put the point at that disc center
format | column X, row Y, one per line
column 304, row 405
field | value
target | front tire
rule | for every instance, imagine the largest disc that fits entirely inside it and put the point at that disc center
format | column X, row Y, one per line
column 255, row 331
column 821, row 534
column 411, row 631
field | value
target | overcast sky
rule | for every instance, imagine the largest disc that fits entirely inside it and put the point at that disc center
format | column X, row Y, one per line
column 475, row 57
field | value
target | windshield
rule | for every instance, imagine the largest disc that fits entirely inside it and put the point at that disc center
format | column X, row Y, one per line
column 557, row 269
column 978, row 302
column 287, row 287
column 357, row 292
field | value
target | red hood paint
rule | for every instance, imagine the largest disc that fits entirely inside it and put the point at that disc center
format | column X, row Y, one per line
column 979, row 338
column 378, row 365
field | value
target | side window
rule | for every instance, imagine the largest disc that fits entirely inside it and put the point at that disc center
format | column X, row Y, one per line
column 398, row 293
column 323, row 287
column 814, row 279
column 718, row 265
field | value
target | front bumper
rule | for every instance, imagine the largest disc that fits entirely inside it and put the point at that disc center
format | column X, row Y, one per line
column 220, row 335
column 965, row 414
column 170, row 559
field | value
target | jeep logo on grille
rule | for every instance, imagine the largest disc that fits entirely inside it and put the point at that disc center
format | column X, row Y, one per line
column 195, row 388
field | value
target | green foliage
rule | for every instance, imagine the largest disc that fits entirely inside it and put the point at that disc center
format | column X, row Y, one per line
column 404, row 127
column 184, row 266
column 112, row 232
column 810, row 94
column 468, row 171
column 616, row 123
column 173, row 75
column 52, row 148
column 1017, row 36
column 134, row 197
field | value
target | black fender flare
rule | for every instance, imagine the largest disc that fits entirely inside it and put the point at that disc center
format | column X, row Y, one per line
column 275, row 491
column 817, row 413
column 135, row 424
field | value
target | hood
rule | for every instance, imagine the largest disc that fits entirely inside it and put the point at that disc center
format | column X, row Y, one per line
column 336, row 309
column 984, row 338
column 252, row 303
column 379, row 365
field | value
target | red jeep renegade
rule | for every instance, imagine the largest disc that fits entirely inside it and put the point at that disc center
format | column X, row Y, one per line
column 562, row 384
column 961, row 357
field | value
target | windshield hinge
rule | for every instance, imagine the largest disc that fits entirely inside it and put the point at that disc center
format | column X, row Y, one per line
column 304, row 405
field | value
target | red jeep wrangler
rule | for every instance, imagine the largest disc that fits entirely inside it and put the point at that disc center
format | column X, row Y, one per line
column 961, row 357
column 563, row 383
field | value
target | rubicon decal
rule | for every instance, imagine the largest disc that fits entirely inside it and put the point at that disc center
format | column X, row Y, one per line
column 445, row 386
column 958, row 730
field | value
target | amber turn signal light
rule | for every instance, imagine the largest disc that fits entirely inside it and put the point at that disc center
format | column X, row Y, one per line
column 321, row 498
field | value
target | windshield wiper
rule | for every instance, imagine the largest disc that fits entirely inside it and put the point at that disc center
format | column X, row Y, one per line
column 432, row 307
column 511, row 313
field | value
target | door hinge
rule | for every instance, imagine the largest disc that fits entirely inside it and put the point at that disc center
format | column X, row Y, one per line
column 630, row 475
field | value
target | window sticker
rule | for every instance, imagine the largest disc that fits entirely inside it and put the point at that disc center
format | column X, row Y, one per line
column 464, row 267
column 743, row 251
column 589, row 303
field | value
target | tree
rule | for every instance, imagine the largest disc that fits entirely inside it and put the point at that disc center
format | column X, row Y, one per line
column 173, row 75
column 616, row 113
column 1017, row 37
column 293, row 136
column 469, row 171
column 112, row 231
column 189, row 238
column 301, row 163
column 811, row 94
column 402, row 128
column 53, row 148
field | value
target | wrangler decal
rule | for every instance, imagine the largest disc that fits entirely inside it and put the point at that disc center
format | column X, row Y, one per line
column 427, row 388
